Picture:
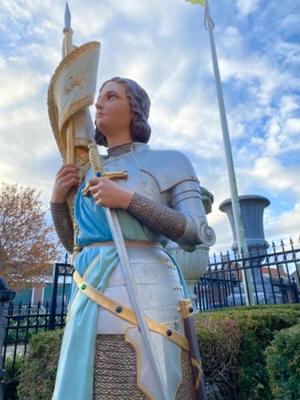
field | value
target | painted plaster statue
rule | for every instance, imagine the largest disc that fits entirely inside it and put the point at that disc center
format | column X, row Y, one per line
column 103, row 355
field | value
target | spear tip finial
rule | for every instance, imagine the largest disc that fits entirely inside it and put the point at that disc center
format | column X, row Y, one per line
column 67, row 17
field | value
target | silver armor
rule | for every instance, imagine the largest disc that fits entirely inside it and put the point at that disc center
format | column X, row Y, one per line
column 168, row 178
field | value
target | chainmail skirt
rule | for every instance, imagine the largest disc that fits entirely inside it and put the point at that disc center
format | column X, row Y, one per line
column 115, row 372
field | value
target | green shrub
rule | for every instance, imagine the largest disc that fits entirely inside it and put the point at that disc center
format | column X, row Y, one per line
column 38, row 374
column 22, row 328
column 283, row 364
column 219, row 341
column 12, row 376
column 11, row 366
column 234, row 352
column 232, row 343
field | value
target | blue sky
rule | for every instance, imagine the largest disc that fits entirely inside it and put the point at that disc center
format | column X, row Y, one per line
column 163, row 45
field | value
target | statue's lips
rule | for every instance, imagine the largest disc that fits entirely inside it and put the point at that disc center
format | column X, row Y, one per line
column 99, row 115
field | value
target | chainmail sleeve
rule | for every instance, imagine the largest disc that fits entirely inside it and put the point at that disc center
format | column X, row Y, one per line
column 157, row 217
column 183, row 220
column 63, row 224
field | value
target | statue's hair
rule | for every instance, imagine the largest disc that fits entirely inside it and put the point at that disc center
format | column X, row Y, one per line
column 140, row 106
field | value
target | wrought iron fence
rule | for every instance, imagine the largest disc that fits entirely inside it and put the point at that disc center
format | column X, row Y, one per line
column 57, row 312
column 25, row 320
column 272, row 276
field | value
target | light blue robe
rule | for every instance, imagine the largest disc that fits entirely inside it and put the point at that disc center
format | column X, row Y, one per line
column 95, row 264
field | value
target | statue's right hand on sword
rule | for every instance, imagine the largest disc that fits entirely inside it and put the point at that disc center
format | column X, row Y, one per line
column 109, row 194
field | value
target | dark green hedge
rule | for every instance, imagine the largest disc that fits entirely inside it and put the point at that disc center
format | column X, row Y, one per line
column 232, row 343
column 38, row 373
column 12, row 376
column 283, row 364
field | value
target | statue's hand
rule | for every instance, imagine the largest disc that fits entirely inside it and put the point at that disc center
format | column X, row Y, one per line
column 108, row 193
column 66, row 179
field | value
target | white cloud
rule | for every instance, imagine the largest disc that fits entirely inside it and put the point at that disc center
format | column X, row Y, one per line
column 163, row 45
column 231, row 39
column 17, row 87
column 272, row 174
column 257, row 75
column 246, row 7
column 284, row 225
column 292, row 126
column 288, row 104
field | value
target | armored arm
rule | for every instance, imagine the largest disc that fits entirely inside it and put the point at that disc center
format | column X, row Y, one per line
column 158, row 217
column 183, row 220
column 185, row 197
column 177, row 212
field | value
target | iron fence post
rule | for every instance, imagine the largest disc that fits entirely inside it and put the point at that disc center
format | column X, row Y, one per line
column 295, row 291
column 6, row 295
column 52, row 311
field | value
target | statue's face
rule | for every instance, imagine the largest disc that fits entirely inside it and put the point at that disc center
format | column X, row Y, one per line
column 113, row 113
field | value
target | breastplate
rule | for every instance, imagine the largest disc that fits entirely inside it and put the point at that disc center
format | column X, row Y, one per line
column 139, row 180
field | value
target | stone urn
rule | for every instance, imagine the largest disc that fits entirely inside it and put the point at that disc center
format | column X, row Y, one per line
column 252, row 212
column 193, row 265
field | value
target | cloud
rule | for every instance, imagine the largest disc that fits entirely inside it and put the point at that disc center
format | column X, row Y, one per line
column 272, row 174
column 285, row 225
column 246, row 7
column 163, row 45
column 19, row 88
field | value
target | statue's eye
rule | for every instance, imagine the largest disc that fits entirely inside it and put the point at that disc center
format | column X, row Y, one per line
column 112, row 96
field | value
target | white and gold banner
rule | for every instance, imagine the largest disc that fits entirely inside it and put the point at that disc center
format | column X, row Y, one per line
column 71, row 92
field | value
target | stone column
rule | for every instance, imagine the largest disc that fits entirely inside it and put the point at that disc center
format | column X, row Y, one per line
column 252, row 211
column 6, row 295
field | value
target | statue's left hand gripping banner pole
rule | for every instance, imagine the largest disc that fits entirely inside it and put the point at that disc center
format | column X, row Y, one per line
column 71, row 92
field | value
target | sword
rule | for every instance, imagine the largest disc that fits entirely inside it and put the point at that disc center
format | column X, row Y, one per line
column 113, row 222
column 190, row 333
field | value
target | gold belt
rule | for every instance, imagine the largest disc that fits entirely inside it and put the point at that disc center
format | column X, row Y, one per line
column 126, row 313
column 128, row 243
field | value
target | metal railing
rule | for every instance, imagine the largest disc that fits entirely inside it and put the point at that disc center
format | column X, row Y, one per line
column 274, row 278
column 25, row 320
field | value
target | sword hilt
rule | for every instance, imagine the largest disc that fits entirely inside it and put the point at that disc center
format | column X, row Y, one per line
column 108, row 175
column 96, row 164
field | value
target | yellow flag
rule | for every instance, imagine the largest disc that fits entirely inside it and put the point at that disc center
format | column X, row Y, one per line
column 202, row 2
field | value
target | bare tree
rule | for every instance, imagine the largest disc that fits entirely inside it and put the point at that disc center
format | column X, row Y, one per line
column 27, row 243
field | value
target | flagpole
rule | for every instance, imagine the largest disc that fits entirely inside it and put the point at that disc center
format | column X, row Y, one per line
column 67, row 48
column 239, row 229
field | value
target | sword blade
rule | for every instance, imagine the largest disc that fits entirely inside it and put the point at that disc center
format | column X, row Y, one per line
column 114, row 225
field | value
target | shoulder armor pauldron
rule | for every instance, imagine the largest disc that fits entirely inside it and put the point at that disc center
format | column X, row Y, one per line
column 167, row 167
